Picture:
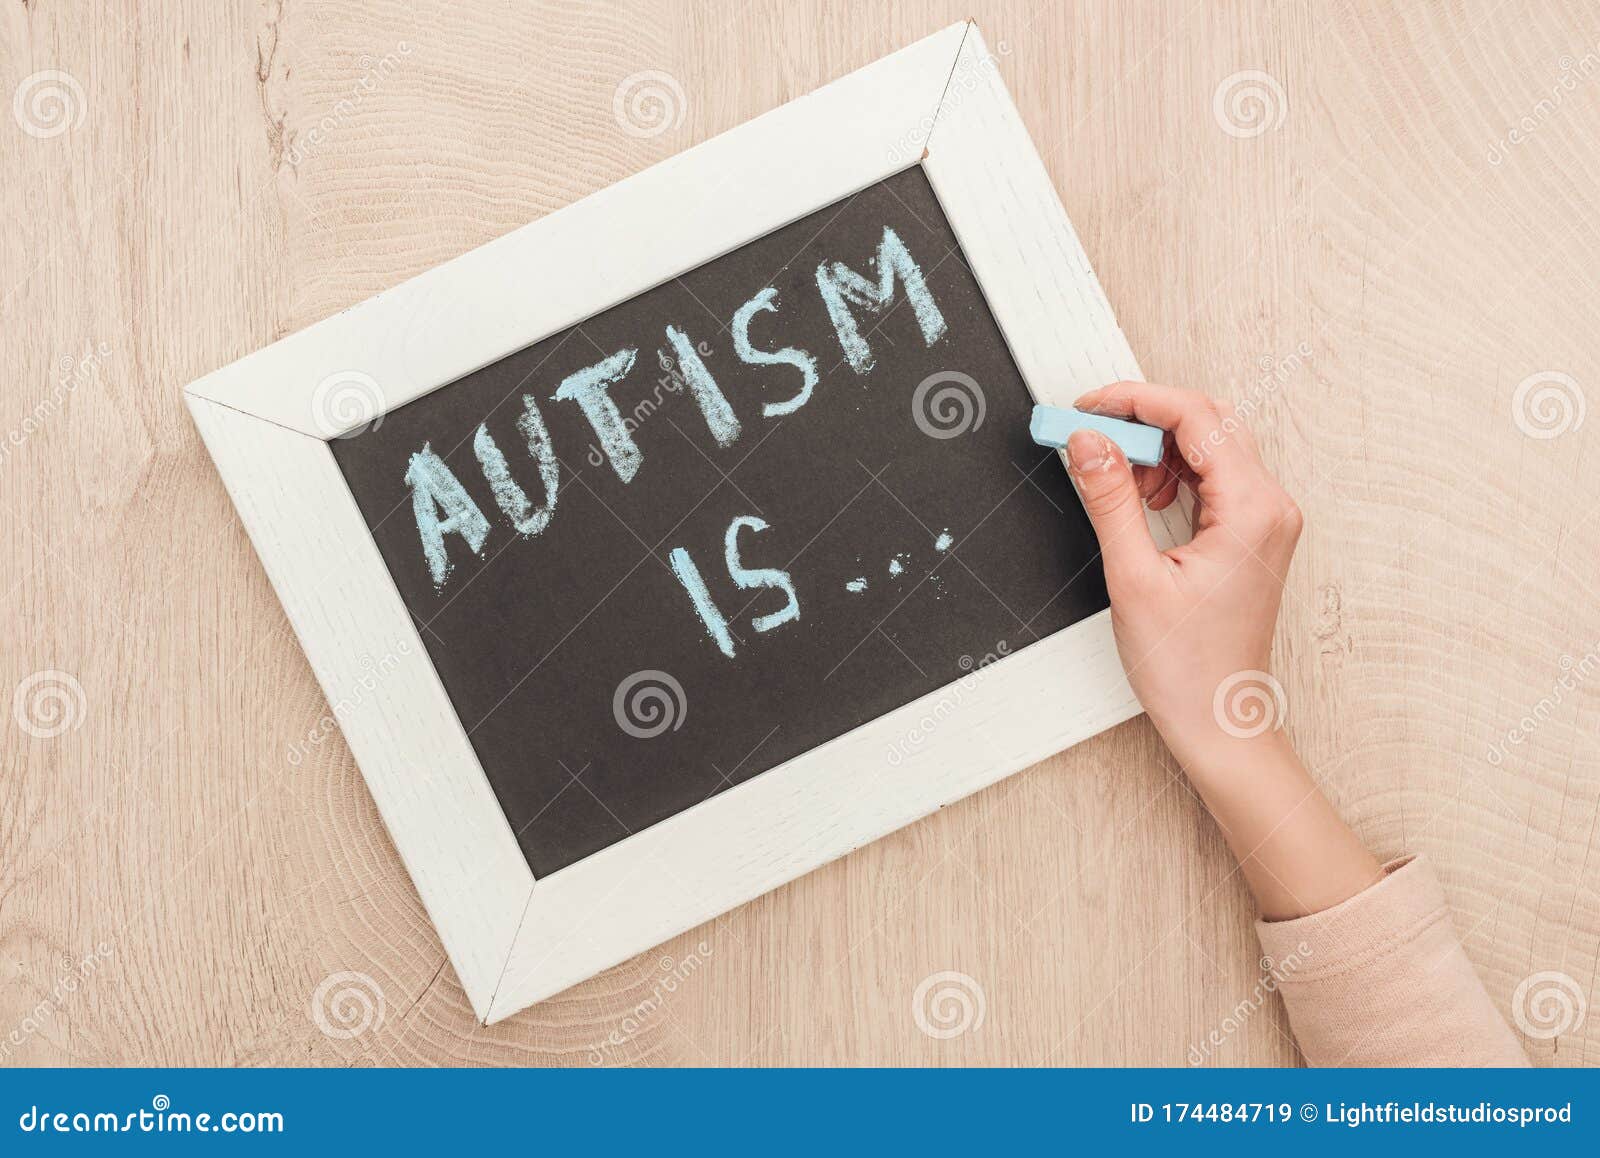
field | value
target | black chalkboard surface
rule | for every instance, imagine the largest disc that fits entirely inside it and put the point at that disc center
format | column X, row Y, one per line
column 712, row 528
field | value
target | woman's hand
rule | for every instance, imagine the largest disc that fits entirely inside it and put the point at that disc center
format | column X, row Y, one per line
column 1194, row 629
column 1192, row 619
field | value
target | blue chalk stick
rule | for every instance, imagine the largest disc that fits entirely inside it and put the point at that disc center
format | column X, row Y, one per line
column 1053, row 425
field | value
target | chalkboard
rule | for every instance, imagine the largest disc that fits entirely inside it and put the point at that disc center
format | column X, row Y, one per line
column 725, row 521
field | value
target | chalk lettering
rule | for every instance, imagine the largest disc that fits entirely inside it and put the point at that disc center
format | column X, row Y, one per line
column 512, row 498
column 443, row 507
column 841, row 288
column 589, row 388
column 753, row 579
column 689, row 575
column 435, row 488
column 719, row 415
column 767, row 300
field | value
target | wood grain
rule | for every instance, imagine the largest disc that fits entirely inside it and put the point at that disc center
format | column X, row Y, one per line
column 1386, row 226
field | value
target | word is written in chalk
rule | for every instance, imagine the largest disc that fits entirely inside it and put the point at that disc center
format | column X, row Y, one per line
column 744, row 578
column 757, row 579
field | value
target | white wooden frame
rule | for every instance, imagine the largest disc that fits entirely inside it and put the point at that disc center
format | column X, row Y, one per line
column 267, row 422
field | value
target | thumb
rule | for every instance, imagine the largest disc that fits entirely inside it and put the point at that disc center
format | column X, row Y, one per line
column 1105, row 483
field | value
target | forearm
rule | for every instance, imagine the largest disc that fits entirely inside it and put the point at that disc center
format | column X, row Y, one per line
column 1368, row 964
column 1382, row 980
column 1296, row 854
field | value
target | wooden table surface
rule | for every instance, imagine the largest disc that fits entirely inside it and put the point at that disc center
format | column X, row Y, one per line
column 1318, row 210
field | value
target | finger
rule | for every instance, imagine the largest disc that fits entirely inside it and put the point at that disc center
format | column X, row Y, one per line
column 1112, row 500
column 1165, row 477
column 1162, row 499
column 1192, row 418
column 1149, row 480
column 1238, row 427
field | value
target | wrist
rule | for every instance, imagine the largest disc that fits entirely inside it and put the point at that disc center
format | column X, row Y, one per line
column 1292, row 848
column 1214, row 757
column 1208, row 750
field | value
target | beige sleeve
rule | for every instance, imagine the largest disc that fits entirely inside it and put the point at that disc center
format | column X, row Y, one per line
column 1381, row 980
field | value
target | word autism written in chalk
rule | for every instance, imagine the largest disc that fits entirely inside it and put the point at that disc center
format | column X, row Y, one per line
column 445, row 510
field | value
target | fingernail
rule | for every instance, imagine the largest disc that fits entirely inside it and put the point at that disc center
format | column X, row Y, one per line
column 1077, row 403
column 1087, row 450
